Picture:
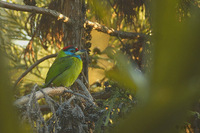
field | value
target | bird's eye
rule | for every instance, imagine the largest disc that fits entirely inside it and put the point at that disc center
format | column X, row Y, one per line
column 72, row 51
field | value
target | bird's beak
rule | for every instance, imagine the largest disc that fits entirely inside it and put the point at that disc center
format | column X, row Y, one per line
column 80, row 52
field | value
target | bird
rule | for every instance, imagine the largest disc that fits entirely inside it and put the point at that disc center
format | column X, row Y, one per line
column 66, row 67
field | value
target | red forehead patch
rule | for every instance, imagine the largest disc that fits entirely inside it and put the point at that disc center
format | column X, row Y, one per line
column 67, row 47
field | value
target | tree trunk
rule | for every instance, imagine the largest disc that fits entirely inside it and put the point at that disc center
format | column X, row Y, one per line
column 74, row 34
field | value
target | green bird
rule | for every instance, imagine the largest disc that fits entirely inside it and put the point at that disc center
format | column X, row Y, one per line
column 66, row 67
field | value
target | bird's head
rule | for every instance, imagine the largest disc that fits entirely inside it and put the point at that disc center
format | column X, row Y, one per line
column 73, row 51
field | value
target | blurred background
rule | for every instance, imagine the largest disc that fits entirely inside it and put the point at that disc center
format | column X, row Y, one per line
column 146, row 77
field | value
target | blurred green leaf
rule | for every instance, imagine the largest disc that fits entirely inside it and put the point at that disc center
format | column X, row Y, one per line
column 128, row 75
column 175, row 75
column 8, row 115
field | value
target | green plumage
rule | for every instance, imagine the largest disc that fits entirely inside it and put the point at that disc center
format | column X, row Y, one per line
column 64, row 71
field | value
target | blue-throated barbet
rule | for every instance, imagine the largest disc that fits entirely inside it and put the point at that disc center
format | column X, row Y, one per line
column 66, row 67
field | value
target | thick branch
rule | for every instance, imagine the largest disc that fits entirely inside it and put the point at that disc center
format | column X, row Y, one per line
column 95, row 25
column 112, row 32
column 39, row 95
column 35, row 9
column 51, row 92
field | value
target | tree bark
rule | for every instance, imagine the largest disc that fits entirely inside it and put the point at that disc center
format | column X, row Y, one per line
column 74, row 34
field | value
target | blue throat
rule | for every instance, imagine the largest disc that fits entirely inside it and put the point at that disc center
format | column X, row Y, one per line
column 72, row 54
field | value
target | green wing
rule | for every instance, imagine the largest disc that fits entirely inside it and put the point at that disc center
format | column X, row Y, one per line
column 58, row 67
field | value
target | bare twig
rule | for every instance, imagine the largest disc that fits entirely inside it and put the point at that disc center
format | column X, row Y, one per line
column 85, row 78
column 29, row 105
column 83, row 96
column 85, row 90
column 59, row 16
column 50, row 102
column 34, row 113
column 31, row 67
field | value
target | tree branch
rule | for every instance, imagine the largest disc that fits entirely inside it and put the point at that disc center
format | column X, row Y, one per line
column 35, row 9
column 31, row 67
column 112, row 32
column 59, row 16
column 51, row 92
column 85, row 90
column 39, row 95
